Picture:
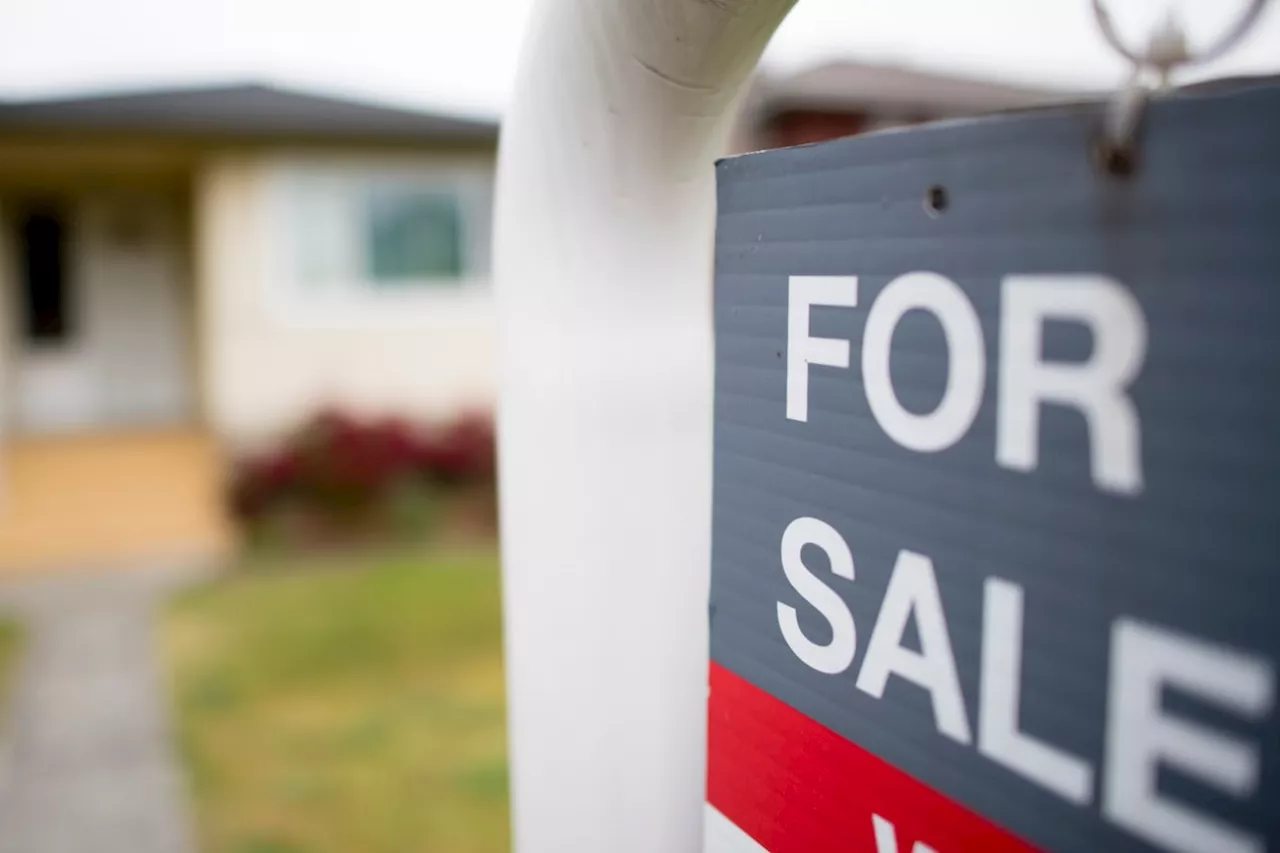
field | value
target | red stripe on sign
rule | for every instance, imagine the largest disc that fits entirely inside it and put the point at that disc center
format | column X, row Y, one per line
column 798, row 787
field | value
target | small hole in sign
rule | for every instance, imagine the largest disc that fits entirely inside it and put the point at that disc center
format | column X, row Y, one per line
column 935, row 200
column 1118, row 161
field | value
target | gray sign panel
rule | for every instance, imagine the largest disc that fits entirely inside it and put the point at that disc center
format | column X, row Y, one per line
column 997, row 487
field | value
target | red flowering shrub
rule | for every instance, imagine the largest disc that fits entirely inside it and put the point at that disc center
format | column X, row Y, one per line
column 345, row 473
column 460, row 452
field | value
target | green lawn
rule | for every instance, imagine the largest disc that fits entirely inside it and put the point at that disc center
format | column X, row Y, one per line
column 10, row 644
column 354, row 709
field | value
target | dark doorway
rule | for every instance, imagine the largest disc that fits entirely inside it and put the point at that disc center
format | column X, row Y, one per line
column 45, row 304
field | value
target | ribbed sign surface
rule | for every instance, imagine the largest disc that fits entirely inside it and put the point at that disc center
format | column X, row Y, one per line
column 997, row 489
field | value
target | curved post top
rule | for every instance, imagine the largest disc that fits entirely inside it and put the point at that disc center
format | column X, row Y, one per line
column 603, row 262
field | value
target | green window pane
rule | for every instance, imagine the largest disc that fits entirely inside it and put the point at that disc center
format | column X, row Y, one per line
column 414, row 235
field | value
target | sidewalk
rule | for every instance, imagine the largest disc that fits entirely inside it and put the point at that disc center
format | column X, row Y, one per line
column 87, row 763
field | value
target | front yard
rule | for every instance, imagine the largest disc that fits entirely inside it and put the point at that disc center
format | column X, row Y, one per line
column 10, row 643
column 357, row 707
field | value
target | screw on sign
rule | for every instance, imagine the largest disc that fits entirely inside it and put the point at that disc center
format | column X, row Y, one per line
column 997, row 489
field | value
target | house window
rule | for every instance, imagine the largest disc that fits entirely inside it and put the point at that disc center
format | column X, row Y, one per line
column 412, row 235
column 45, row 303
column 356, row 231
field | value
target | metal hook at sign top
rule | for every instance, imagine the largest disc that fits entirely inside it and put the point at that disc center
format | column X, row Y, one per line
column 1166, row 50
column 1154, row 57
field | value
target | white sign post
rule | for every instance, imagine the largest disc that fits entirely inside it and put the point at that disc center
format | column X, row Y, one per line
column 603, row 267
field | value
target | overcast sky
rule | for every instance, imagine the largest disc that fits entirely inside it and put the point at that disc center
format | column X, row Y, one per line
column 461, row 55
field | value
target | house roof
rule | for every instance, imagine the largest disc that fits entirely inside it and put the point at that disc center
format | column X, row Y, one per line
column 846, row 86
column 239, row 112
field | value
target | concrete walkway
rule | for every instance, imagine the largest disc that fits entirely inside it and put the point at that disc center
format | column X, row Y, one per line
column 87, row 764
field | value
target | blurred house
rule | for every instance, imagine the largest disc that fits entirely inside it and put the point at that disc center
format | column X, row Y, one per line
column 847, row 98
column 191, row 270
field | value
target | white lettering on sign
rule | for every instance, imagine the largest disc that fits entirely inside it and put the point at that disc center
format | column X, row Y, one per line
column 804, row 292
column 1000, row 687
column 1145, row 661
column 836, row 655
column 1139, row 735
column 1097, row 387
column 913, row 592
column 887, row 838
column 966, row 361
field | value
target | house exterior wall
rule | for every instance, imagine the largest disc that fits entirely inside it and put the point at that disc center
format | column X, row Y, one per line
column 275, row 348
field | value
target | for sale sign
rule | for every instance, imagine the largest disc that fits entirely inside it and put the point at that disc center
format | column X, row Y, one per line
column 996, row 560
